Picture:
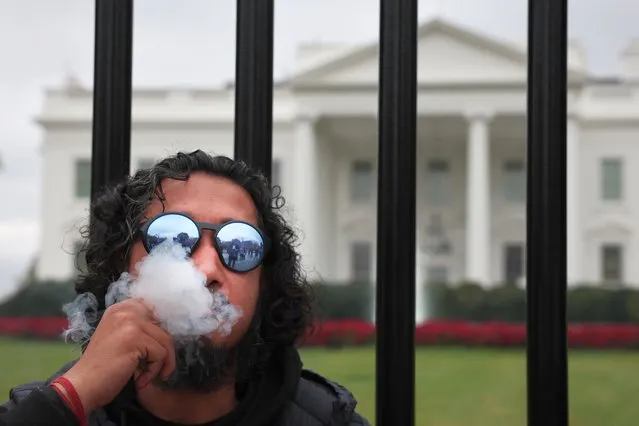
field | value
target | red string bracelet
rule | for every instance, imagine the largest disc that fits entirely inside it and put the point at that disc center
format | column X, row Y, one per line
column 69, row 404
column 73, row 399
column 66, row 399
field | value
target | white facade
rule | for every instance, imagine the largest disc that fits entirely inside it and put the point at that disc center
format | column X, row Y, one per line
column 471, row 158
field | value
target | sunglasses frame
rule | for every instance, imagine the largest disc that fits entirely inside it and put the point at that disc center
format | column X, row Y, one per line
column 202, row 226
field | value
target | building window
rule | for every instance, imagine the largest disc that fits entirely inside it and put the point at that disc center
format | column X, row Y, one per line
column 276, row 173
column 513, row 263
column 83, row 178
column 611, row 179
column 514, row 181
column 437, row 182
column 361, row 253
column 612, row 263
column 145, row 163
column 437, row 274
column 361, row 181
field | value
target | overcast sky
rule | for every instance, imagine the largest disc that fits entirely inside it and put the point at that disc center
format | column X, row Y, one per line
column 192, row 42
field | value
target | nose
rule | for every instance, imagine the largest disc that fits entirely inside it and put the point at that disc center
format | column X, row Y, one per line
column 206, row 260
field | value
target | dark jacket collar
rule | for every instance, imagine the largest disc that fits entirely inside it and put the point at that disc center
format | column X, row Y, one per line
column 316, row 400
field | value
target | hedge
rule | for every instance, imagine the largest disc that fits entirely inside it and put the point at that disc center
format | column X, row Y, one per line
column 585, row 303
column 38, row 299
column 474, row 303
column 463, row 302
column 46, row 298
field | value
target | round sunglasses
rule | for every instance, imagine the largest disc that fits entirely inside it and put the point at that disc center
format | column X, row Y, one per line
column 240, row 245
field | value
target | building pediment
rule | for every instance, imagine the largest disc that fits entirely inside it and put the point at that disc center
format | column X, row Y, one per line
column 447, row 54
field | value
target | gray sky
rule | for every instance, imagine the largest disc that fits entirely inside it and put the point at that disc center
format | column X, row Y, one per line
column 192, row 42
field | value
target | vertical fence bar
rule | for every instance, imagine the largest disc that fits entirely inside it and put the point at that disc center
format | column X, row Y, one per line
column 546, row 222
column 396, row 214
column 111, row 155
column 254, row 84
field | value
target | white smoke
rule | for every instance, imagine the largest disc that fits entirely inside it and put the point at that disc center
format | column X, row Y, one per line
column 169, row 281
column 82, row 312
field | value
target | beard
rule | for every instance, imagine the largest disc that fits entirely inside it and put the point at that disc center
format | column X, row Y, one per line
column 204, row 366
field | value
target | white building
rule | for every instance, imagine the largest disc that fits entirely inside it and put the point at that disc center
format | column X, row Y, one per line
column 471, row 157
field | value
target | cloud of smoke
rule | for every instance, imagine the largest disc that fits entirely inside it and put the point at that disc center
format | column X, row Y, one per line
column 170, row 282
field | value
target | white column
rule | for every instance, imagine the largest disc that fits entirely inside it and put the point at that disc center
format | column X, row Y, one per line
column 421, row 260
column 573, row 236
column 306, row 203
column 478, row 200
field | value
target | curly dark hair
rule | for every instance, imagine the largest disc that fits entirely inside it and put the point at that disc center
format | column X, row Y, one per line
column 115, row 216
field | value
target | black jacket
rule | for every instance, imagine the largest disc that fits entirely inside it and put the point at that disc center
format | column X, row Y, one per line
column 303, row 399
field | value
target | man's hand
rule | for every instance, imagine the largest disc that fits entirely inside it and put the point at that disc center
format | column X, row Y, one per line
column 127, row 342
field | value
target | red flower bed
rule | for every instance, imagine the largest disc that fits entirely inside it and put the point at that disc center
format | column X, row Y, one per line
column 497, row 334
column 433, row 333
column 42, row 327
column 470, row 334
column 338, row 333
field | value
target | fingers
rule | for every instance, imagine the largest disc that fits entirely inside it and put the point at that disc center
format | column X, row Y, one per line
column 131, row 310
column 166, row 341
column 153, row 361
column 136, row 321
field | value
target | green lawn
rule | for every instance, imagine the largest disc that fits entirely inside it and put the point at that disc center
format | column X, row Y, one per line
column 455, row 387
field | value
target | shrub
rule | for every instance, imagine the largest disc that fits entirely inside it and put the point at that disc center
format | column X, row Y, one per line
column 38, row 299
column 343, row 301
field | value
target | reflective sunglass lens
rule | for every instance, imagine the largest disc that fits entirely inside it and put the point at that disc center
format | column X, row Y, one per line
column 175, row 228
column 241, row 245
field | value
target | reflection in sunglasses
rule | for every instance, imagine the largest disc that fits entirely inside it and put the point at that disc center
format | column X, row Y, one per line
column 240, row 245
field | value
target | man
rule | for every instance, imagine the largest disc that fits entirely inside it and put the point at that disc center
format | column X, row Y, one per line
column 132, row 372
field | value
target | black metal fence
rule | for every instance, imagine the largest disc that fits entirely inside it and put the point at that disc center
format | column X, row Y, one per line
column 546, row 227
